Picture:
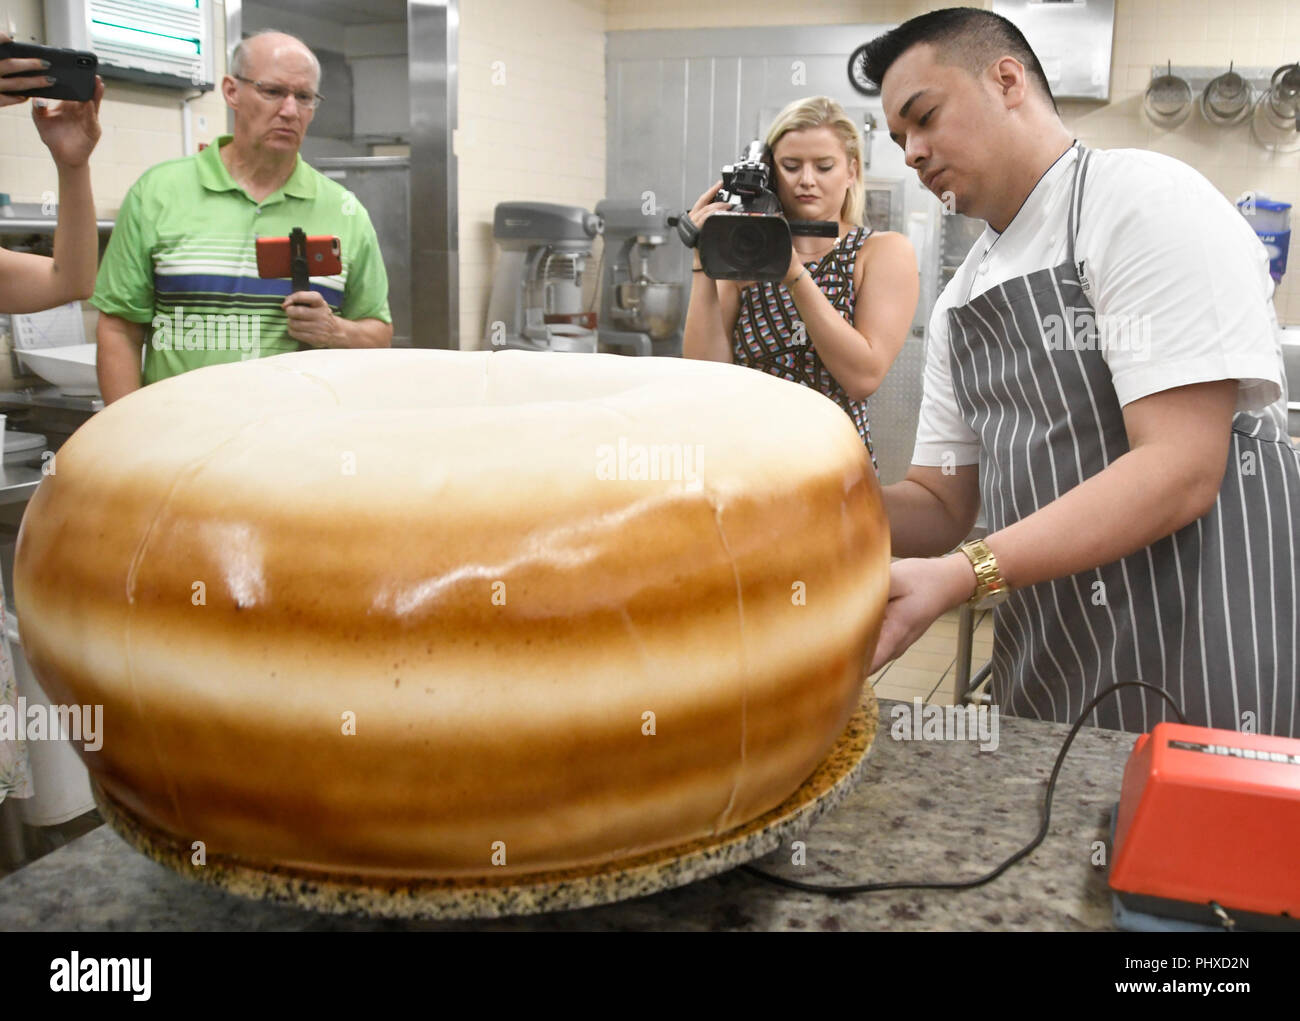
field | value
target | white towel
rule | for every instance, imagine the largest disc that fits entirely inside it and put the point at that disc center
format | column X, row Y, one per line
column 15, row 770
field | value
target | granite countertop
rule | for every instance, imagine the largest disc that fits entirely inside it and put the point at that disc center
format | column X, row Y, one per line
column 924, row 810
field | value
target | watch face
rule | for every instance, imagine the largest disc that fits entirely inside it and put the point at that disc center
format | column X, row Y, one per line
column 993, row 599
column 857, row 75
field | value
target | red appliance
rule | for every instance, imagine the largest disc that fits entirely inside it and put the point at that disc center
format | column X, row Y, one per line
column 1208, row 828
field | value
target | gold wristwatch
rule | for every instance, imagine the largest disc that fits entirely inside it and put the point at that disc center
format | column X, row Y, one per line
column 990, row 587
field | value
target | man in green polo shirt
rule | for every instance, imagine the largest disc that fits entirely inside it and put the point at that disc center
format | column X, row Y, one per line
column 179, row 278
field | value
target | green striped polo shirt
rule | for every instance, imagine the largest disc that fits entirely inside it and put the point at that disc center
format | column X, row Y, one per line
column 182, row 260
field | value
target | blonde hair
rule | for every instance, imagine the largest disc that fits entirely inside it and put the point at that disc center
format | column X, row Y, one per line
column 824, row 112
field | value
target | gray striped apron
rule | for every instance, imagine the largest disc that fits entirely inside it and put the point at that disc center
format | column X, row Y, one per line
column 1210, row 613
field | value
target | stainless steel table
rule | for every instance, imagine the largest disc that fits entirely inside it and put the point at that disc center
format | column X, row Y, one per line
column 18, row 483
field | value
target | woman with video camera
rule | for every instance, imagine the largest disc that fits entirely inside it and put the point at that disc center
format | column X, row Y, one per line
column 838, row 319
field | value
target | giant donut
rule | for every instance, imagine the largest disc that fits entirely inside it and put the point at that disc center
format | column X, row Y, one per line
column 417, row 613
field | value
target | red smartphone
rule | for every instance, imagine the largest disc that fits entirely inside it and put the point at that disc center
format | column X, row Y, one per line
column 274, row 260
column 73, row 71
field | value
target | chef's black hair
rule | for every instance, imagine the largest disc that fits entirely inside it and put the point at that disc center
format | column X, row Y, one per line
column 965, row 36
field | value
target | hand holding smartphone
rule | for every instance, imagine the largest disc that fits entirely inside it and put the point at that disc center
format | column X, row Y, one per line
column 69, row 128
column 299, row 257
column 29, row 71
column 310, row 319
column 274, row 258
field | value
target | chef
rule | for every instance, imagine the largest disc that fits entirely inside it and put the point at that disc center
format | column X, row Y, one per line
column 1104, row 376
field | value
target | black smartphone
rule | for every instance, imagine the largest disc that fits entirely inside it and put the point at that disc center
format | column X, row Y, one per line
column 73, row 71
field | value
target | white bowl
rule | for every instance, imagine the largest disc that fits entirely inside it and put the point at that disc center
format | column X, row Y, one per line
column 71, row 368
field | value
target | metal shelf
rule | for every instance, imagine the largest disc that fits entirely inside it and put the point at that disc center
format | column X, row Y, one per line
column 10, row 225
column 1198, row 76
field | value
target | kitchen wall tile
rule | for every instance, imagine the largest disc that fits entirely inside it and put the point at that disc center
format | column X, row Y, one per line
column 1187, row 30
column 1136, row 75
column 1218, row 26
column 1145, row 13
column 26, row 178
column 539, row 133
column 1147, row 32
column 1167, row 11
column 1271, row 51
column 1245, row 21
column 543, row 134
column 1249, row 33
column 139, row 124
column 1194, row 11
column 1211, row 52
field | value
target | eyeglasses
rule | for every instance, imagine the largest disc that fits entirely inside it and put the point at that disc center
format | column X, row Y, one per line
column 278, row 93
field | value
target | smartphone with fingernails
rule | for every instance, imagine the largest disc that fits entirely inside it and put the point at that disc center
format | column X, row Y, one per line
column 73, row 71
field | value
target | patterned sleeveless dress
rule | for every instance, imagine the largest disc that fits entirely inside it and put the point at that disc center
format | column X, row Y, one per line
column 765, row 336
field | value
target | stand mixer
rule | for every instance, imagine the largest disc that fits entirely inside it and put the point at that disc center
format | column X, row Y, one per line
column 536, row 301
column 638, row 314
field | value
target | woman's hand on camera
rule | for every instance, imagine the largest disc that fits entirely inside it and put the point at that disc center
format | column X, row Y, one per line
column 705, row 206
column 33, row 76
column 70, row 130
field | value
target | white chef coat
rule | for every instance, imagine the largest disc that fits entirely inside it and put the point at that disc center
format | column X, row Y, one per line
column 1172, row 269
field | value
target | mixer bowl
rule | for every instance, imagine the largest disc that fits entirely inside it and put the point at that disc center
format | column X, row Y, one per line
column 571, row 338
column 655, row 308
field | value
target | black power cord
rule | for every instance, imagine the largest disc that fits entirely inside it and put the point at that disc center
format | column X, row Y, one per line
column 1025, row 851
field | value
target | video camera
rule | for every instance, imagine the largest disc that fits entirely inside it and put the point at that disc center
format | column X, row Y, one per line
column 752, row 241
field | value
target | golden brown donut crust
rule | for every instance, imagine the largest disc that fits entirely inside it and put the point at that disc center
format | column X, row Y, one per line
column 423, row 541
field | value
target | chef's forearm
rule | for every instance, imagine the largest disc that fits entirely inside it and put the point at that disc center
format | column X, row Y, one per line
column 918, row 524
column 932, row 510
column 1137, row 500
